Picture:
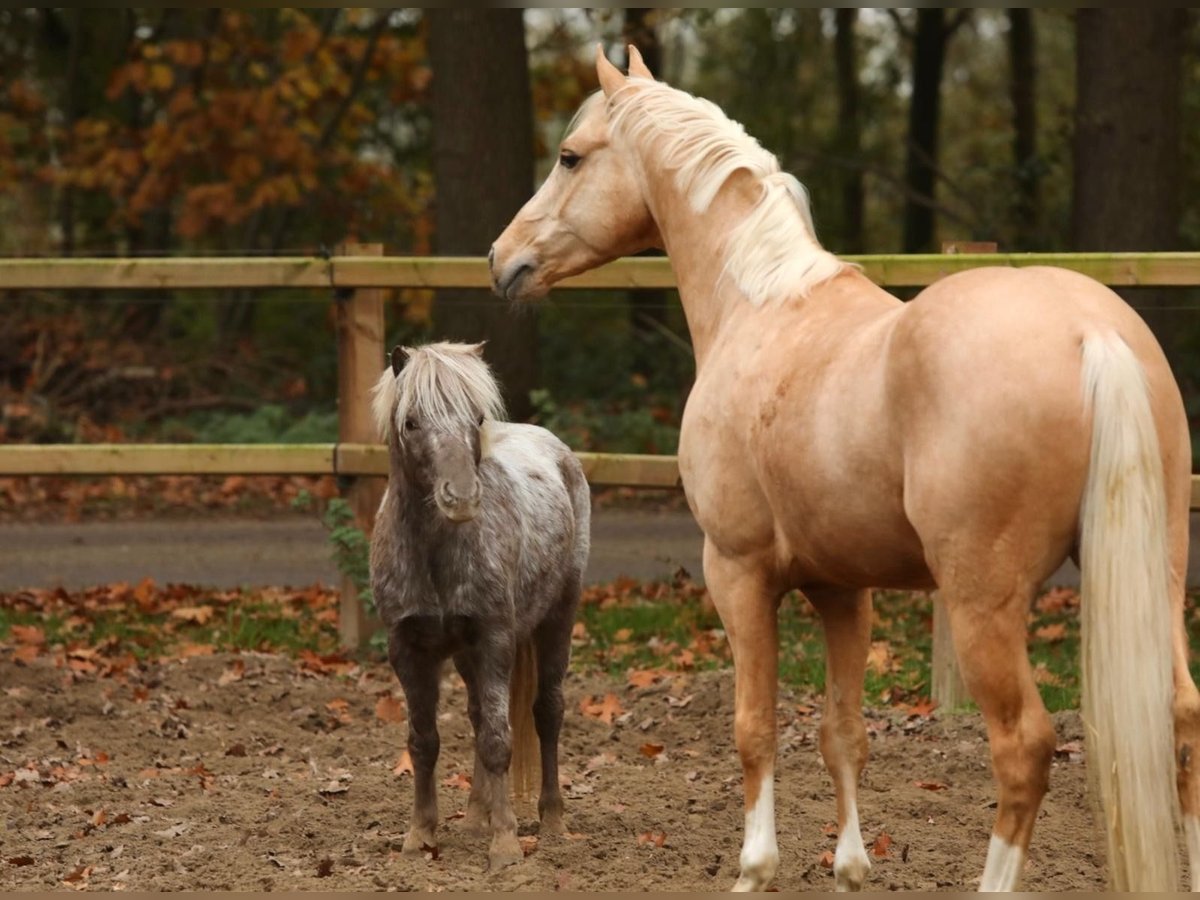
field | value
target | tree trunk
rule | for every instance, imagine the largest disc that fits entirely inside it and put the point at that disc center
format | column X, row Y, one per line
column 482, row 112
column 849, row 131
column 1127, row 139
column 1022, row 49
column 924, row 112
column 71, row 109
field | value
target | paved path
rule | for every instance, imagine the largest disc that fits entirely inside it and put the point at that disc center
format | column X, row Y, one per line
column 232, row 552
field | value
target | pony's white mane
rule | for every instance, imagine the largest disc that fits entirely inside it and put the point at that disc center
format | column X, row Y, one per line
column 441, row 384
column 774, row 253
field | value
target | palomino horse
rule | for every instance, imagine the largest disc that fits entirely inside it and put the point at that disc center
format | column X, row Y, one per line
column 478, row 553
column 837, row 440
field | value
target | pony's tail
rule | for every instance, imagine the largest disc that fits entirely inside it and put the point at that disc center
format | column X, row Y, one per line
column 1126, row 623
column 522, row 691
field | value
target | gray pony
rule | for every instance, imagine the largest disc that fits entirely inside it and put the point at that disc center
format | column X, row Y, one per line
column 478, row 554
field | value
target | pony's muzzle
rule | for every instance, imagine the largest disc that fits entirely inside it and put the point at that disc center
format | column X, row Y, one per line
column 458, row 508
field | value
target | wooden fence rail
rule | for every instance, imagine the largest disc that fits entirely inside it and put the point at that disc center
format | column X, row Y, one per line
column 360, row 271
column 357, row 273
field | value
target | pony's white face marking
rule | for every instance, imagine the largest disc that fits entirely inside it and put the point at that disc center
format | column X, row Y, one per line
column 1002, row 872
column 850, row 861
column 760, row 853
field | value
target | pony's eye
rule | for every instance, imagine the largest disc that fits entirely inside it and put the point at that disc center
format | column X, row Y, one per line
column 411, row 425
column 481, row 420
column 569, row 160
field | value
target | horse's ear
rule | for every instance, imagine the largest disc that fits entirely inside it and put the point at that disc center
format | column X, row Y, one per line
column 611, row 79
column 477, row 349
column 637, row 65
column 399, row 356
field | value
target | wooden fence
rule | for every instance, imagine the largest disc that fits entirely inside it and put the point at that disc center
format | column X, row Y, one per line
column 359, row 276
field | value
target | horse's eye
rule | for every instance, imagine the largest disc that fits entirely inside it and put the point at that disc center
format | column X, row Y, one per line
column 569, row 160
column 481, row 420
column 411, row 425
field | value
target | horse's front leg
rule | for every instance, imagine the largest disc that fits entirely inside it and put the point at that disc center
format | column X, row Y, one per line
column 846, row 615
column 419, row 671
column 478, row 815
column 748, row 607
column 491, row 660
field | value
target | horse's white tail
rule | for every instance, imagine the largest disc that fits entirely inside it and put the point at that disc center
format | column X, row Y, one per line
column 522, row 691
column 1126, row 623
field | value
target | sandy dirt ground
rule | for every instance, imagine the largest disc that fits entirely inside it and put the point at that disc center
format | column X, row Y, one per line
column 255, row 772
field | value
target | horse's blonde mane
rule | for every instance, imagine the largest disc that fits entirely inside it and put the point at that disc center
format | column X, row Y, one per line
column 772, row 254
column 442, row 384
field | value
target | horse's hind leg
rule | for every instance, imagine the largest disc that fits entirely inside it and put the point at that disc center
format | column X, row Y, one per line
column 748, row 607
column 846, row 615
column 1187, row 698
column 419, row 673
column 552, row 638
column 989, row 630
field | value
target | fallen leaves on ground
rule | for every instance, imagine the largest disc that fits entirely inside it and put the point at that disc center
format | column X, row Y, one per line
column 605, row 709
column 458, row 780
column 389, row 709
column 882, row 846
column 930, row 785
column 404, row 765
column 652, row 838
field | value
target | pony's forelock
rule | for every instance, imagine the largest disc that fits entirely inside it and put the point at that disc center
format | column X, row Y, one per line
column 774, row 252
column 443, row 385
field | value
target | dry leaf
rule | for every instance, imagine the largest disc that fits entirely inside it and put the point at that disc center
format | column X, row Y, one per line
column 197, row 615
column 325, row 868
column 234, row 673
column 826, row 859
column 830, row 829
column 644, row 678
column 188, row 651
column 651, row 750
column 882, row 845
column 27, row 634
column 334, row 787
column 389, row 709
column 529, row 844
column 27, row 654
column 604, row 710
column 404, row 765
column 879, row 657
column 657, row 838
column 1052, row 633
column 459, row 780
column 930, row 785
column 21, row 861
column 622, row 634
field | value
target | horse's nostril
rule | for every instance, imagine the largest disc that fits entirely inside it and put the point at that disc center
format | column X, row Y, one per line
column 492, row 258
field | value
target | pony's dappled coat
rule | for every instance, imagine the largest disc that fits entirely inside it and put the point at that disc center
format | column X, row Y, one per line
column 773, row 254
column 441, row 384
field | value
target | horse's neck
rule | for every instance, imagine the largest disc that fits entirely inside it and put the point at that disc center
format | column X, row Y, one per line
column 696, row 245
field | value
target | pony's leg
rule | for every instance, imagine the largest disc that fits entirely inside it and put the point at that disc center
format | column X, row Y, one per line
column 553, row 642
column 846, row 615
column 419, row 674
column 749, row 609
column 492, row 661
column 989, row 632
column 478, row 803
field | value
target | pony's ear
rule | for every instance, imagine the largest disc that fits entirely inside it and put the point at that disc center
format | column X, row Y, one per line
column 399, row 357
column 637, row 65
column 611, row 79
column 477, row 349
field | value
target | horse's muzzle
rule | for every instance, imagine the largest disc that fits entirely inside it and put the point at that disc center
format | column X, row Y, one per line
column 456, row 508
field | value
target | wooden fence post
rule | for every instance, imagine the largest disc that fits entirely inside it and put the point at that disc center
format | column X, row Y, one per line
column 360, row 335
column 946, row 684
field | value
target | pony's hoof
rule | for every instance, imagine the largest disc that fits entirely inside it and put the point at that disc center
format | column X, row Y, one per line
column 552, row 825
column 505, row 851
column 849, row 874
column 418, row 842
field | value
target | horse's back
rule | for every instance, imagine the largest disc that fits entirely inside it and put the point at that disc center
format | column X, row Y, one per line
column 545, row 483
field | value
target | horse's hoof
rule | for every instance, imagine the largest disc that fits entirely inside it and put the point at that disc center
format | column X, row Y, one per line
column 552, row 824
column 475, row 821
column 418, row 842
column 505, row 851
